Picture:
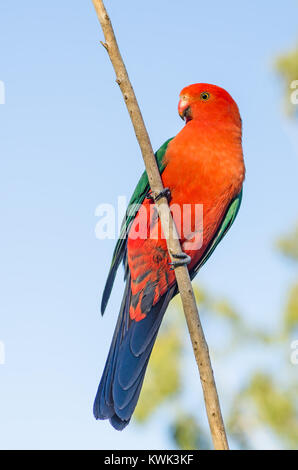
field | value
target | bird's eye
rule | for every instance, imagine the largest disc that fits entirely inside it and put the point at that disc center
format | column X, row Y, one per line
column 205, row 96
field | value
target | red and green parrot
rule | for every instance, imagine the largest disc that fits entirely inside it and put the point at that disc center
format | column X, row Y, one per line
column 202, row 165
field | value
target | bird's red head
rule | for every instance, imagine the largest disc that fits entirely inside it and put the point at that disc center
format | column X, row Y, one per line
column 203, row 101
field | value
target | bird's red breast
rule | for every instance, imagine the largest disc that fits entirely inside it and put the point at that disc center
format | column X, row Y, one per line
column 204, row 168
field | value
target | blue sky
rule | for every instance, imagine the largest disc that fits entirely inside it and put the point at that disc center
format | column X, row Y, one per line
column 67, row 145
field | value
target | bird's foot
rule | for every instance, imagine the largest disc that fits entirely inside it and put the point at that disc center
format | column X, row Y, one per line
column 181, row 260
column 164, row 193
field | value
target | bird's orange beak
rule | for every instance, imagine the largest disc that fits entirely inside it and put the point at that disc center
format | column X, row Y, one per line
column 184, row 109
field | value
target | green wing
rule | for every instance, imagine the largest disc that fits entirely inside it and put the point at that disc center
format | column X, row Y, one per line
column 136, row 200
column 226, row 224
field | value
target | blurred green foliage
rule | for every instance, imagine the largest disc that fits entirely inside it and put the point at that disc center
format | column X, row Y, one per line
column 287, row 67
column 288, row 245
column 268, row 405
column 291, row 312
column 186, row 433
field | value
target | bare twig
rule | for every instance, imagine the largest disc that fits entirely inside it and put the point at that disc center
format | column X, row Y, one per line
column 199, row 344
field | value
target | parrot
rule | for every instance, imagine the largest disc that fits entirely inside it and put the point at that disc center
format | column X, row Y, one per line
column 203, row 166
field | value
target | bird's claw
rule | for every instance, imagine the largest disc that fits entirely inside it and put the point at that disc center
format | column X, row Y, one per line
column 164, row 193
column 182, row 259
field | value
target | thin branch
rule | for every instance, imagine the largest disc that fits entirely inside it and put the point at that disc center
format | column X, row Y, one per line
column 199, row 344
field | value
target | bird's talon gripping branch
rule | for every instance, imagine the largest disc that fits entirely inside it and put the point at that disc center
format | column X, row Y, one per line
column 164, row 193
column 182, row 259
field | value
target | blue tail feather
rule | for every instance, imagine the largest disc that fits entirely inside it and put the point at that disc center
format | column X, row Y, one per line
column 127, row 361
